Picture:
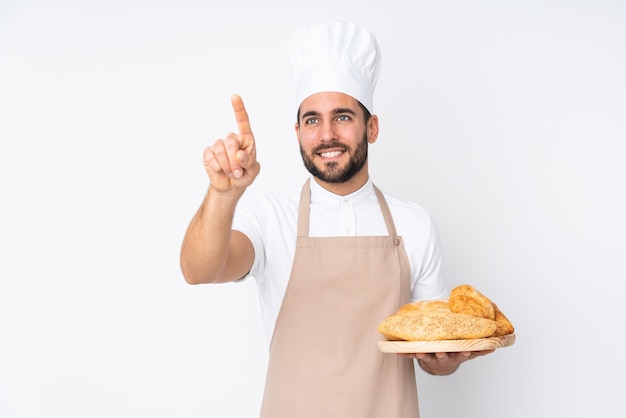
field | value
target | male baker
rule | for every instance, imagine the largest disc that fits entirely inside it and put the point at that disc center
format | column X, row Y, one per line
column 333, row 261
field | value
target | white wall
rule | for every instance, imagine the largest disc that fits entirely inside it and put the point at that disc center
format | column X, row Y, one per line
column 504, row 119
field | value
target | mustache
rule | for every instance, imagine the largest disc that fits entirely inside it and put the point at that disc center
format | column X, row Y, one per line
column 328, row 145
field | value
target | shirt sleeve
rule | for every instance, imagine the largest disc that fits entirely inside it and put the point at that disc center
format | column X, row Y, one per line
column 429, row 283
column 246, row 221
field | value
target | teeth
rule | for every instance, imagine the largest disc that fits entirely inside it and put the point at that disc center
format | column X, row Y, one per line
column 330, row 154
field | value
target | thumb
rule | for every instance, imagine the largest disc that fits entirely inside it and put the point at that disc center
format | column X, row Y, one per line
column 243, row 158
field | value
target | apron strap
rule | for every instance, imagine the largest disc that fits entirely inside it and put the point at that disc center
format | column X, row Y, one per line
column 303, row 210
column 384, row 207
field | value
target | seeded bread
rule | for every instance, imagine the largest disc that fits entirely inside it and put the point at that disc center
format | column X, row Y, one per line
column 422, row 325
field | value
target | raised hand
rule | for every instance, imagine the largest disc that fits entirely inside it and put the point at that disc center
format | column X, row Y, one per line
column 231, row 162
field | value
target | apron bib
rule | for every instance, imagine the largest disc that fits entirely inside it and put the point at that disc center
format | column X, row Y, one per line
column 324, row 359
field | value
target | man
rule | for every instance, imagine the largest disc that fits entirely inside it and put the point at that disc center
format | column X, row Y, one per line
column 333, row 262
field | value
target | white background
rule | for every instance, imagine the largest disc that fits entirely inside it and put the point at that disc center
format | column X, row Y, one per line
column 506, row 120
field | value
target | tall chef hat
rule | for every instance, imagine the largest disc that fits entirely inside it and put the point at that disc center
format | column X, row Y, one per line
column 339, row 57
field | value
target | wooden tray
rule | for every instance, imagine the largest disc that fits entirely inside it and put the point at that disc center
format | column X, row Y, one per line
column 446, row 346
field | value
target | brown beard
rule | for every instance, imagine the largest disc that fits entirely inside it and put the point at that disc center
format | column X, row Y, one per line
column 331, row 173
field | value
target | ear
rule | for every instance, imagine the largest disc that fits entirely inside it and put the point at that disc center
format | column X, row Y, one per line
column 372, row 129
column 297, row 129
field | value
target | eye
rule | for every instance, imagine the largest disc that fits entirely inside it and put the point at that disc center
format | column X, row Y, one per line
column 310, row 121
column 343, row 118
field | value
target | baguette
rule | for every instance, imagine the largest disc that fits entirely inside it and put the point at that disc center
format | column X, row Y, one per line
column 422, row 325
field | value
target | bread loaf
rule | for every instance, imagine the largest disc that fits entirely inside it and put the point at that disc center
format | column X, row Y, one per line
column 440, row 305
column 505, row 327
column 466, row 299
column 467, row 314
column 422, row 325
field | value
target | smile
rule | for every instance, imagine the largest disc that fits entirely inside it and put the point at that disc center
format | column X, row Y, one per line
column 330, row 154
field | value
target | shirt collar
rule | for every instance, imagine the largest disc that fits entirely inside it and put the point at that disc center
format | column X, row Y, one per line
column 321, row 196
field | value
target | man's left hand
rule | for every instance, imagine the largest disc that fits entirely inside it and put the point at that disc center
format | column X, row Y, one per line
column 441, row 364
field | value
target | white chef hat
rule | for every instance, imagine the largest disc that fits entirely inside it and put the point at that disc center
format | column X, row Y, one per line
column 339, row 57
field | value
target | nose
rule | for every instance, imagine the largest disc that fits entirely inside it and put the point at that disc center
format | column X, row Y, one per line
column 327, row 132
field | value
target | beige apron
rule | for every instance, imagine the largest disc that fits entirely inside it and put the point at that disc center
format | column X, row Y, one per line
column 324, row 359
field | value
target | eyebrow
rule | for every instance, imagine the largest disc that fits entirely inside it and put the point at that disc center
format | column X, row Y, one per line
column 336, row 111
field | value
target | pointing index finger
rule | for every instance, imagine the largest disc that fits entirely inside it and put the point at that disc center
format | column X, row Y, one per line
column 243, row 122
